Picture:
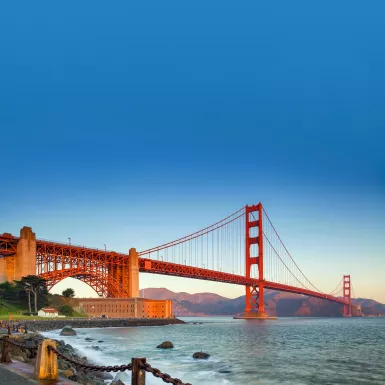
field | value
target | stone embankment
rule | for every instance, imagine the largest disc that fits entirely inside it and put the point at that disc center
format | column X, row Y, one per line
column 47, row 325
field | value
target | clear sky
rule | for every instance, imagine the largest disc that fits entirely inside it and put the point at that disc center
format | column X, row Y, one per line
column 133, row 123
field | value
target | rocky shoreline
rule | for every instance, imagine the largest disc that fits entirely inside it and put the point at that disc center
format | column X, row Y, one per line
column 48, row 325
column 66, row 369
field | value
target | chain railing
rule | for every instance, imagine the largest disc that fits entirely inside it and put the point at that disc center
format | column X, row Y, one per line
column 157, row 373
column 83, row 365
column 7, row 341
column 47, row 351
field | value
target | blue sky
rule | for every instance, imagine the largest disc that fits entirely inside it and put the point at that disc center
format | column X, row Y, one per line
column 133, row 124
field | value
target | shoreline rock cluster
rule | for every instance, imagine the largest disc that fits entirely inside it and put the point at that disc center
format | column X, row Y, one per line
column 197, row 355
column 48, row 325
column 66, row 369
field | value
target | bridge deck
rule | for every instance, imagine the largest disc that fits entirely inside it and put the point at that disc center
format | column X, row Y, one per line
column 8, row 245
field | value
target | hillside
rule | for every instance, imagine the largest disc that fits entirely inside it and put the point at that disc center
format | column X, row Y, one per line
column 277, row 304
column 9, row 308
column 55, row 301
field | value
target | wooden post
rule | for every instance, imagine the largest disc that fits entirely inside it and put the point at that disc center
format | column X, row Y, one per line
column 5, row 356
column 46, row 367
column 138, row 374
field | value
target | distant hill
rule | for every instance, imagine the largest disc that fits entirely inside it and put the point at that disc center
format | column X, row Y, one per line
column 277, row 304
column 369, row 306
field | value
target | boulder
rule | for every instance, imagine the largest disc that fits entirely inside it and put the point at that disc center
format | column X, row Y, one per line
column 100, row 341
column 63, row 365
column 18, row 358
column 68, row 348
column 166, row 345
column 201, row 356
column 68, row 331
column 68, row 373
column 89, row 339
column 94, row 380
column 117, row 382
column 122, row 377
column 95, row 347
column 104, row 375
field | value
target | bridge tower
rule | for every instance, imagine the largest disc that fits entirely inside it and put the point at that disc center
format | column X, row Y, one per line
column 22, row 261
column 254, row 294
column 347, row 296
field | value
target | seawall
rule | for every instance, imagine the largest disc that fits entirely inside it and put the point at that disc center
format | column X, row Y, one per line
column 47, row 325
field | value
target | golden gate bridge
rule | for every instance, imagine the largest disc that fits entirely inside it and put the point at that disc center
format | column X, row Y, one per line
column 242, row 249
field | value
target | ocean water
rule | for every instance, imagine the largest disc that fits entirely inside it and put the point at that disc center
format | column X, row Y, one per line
column 299, row 351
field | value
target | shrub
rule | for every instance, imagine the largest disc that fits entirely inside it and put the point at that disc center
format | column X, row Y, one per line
column 66, row 310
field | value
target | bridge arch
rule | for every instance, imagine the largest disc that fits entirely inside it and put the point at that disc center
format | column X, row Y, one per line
column 104, row 286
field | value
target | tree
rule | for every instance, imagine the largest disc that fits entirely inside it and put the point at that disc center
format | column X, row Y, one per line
column 69, row 293
column 35, row 285
column 66, row 310
column 10, row 291
column 28, row 291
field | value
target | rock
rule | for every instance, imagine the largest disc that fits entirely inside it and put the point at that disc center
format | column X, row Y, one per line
column 166, row 345
column 117, row 382
column 95, row 381
column 25, row 355
column 68, row 373
column 68, row 348
column 104, row 375
column 18, row 358
column 201, row 356
column 68, row 331
column 122, row 377
column 63, row 365
column 100, row 341
column 89, row 339
column 225, row 371
column 95, row 348
column 82, row 378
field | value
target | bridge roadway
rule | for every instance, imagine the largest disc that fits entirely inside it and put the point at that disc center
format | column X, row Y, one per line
column 147, row 265
column 8, row 246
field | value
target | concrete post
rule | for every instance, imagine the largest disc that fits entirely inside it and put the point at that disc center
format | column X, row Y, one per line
column 133, row 274
column 46, row 367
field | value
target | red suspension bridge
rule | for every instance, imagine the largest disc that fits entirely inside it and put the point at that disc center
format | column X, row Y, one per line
column 243, row 249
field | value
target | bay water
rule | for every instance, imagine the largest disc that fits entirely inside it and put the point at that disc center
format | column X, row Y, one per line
column 292, row 351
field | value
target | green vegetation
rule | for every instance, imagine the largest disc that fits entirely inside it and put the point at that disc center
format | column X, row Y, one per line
column 69, row 293
column 32, row 284
column 24, row 298
column 9, row 308
column 66, row 310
